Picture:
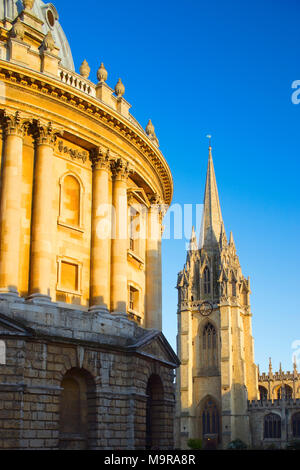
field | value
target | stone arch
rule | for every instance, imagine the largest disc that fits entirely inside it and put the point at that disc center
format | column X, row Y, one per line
column 209, row 421
column 78, row 411
column 277, row 391
column 154, row 412
column 71, row 191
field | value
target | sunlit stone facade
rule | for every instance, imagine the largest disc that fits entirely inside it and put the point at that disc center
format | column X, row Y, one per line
column 82, row 186
column 221, row 397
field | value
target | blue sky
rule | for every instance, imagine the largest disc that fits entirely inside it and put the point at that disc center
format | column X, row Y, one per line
column 224, row 68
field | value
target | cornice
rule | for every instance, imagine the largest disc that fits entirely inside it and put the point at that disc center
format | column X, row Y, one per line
column 92, row 107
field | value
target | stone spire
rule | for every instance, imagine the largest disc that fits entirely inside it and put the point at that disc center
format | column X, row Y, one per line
column 212, row 216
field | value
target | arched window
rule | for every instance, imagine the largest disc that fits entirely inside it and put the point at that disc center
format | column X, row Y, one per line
column 2, row 353
column 210, row 418
column 245, row 297
column 209, row 346
column 284, row 391
column 263, row 393
column 206, row 276
column 288, row 392
column 70, row 201
column 233, row 285
column 272, row 426
column 296, row 425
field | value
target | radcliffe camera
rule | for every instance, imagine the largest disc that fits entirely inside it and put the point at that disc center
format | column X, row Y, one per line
column 149, row 229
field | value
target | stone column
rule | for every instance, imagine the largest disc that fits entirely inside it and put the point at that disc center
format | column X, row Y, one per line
column 42, row 257
column 101, row 233
column 153, row 266
column 119, row 294
column 11, row 204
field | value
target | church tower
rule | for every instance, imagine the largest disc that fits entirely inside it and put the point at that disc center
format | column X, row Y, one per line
column 215, row 344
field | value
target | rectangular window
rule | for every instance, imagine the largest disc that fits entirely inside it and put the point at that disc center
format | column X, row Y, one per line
column 134, row 230
column 133, row 299
column 69, row 276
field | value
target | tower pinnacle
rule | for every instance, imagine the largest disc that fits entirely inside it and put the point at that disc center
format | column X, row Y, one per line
column 193, row 245
column 212, row 216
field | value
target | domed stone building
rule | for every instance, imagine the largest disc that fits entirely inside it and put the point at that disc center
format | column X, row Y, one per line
column 83, row 361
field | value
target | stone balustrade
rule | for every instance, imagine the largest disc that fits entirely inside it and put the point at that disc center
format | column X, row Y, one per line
column 77, row 81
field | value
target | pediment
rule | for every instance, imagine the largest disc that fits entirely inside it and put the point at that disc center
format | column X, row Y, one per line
column 11, row 327
column 154, row 345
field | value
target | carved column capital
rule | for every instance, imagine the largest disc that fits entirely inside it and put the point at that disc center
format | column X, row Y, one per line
column 100, row 159
column 120, row 169
column 45, row 133
column 158, row 205
column 155, row 199
column 15, row 123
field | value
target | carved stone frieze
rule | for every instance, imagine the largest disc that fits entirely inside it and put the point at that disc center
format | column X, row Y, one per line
column 73, row 153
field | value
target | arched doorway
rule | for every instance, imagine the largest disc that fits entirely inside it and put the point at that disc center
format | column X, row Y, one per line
column 154, row 413
column 210, row 424
column 77, row 410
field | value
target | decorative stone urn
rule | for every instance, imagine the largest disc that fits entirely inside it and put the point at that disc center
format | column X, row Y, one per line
column 119, row 89
column 28, row 4
column 150, row 131
column 102, row 73
column 85, row 69
column 150, row 128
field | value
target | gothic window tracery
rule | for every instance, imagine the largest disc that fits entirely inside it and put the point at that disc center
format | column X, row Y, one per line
column 296, row 425
column 210, row 418
column 284, row 390
column 272, row 426
column 209, row 346
column 206, row 276
column 263, row 393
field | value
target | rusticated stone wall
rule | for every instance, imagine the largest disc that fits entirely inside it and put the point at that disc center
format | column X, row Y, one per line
column 112, row 385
